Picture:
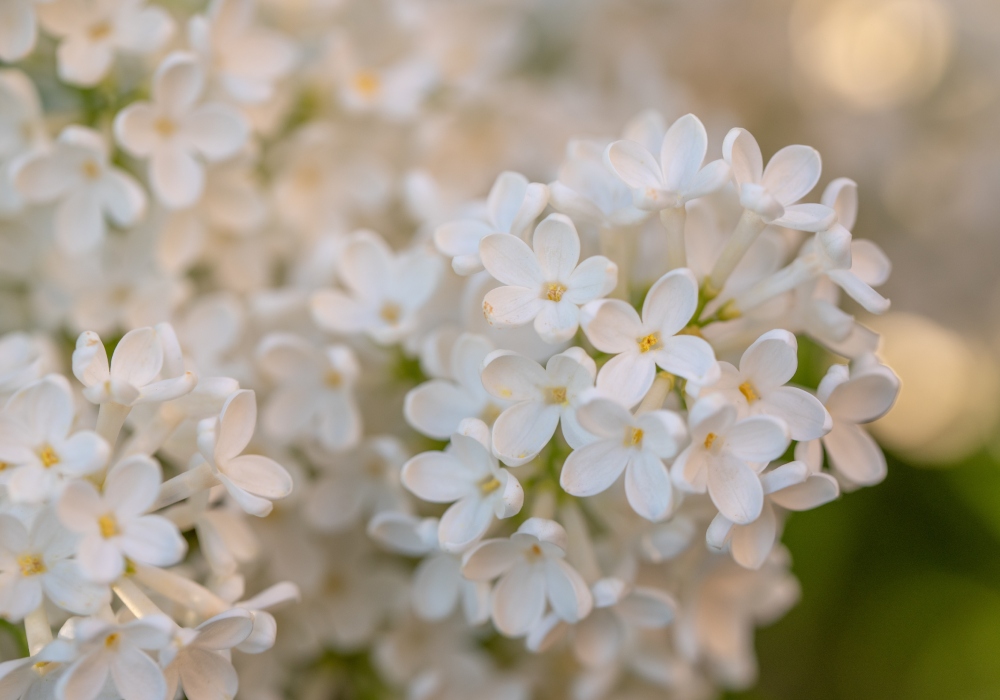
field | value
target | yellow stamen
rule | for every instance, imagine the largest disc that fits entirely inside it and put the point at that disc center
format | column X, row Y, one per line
column 489, row 485
column 48, row 456
column 390, row 313
column 633, row 437
column 367, row 82
column 554, row 291
column 649, row 342
column 91, row 170
column 165, row 127
column 749, row 391
column 101, row 30
column 557, row 395
column 111, row 641
column 709, row 440
column 333, row 379
column 43, row 667
column 534, row 553
column 31, row 564
column 490, row 413
column 108, row 525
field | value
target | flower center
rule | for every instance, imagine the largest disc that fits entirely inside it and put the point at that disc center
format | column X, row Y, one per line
column 165, row 127
column 490, row 413
column 101, row 30
column 557, row 395
column 649, row 342
column 333, row 378
column 108, row 525
column 489, row 485
column 31, row 564
column 749, row 391
column 91, row 170
column 554, row 291
column 43, row 667
column 534, row 553
column 48, row 456
column 710, row 440
column 390, row 313
column 367, row 82
column 111, row 641
column 633, row 437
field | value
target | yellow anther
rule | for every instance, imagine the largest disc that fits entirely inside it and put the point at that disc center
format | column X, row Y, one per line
column 390, row 312
column 108, row 525
column 367, row 82
column 749, row 391
column 31, row 564
column 165, row 127
column 709, row 441
column 488, row 312
column 91, row 170
column 101, row 30
column 489, row 485
column 111, row 641
column 633, row 437
column 649, row 342
column 333, row 378
column 490, row 413
column 557, row 395
column 729, row 311
column 554, row 291
column 534, row 553
column 48, row 456
column 43, row 667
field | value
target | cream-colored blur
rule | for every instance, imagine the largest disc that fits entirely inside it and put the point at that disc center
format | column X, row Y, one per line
column 950, row 393
column 873, row 53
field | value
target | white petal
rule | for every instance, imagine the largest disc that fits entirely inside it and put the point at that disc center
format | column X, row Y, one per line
column 336, row 312
column 519, row 599
column 648, row 607
column 509, row 259
column 758, row 438
column 464, row 522
column 99, row 559
column 132, row 485
column 671, row 302
column 435, row 408
column 135, row 129
column 259, row 475
column 436, row 584
column 806, row 217
column 505, row 199
column 791, row 173
column 489, row 559
column 711, row 178
column 567, row 591
column 605, row 418
column 83, row 62
column 177, row 178
column 841, row 195
column 815, row 491
column 178, row 82
column 741, row 151
column 522, row 430
column 683, row 150
column 514, row 377
column 663, row 432
column 236, row 424
column 122, row 197
column 771, row 360
column 437, row 477
column 614, row 326
column 735, row 489
column 593, row 468
column 627, row 377
column 557, row 321
column 806, row 417
column 864, row 397
column 593, row 278
column 226, row 630
column 750, row 544
column 85, row 679
column 634, row 165
column 507, row 307
column 869, row 263
column 153, row 540
column 687, row 356
column 79, row 222
column 136, row 675
column 216, row 130
column 859, row 291
column 854, row 453
column 647, row 487
column 461, row 237
column 556, row 245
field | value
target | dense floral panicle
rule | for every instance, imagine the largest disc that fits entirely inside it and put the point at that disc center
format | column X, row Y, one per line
column 561, row 413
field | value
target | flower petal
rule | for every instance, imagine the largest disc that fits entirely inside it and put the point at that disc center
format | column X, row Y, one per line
column 750, row 544
column 671, row 302
column 791, row 173
column 509, row 259
column 758, row 438
column 806, row 417
column 519, row 599
column 735, row 489
column 683, row 151
column 854, row 454
column 436, row 584
column 522, row 430
column 648, row 488
column 634, row 165
column 507, row 307
column 556, row 245
column 593, row 468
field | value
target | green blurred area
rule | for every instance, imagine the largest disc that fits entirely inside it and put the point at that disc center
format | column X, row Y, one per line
column 900, row 592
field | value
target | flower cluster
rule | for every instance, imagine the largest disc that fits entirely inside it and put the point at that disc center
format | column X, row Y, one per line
column 538, row 441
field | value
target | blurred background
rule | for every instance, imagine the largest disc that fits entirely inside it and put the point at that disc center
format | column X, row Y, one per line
column 901, row 582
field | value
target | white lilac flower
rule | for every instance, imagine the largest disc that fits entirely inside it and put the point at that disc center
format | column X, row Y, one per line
column 758, row 386
column 792, row 486
column 113, row 524
column 37, row 447
column 21, row 361
column 37, row 564
column 356, row 485
column 639, row 345
column 91, row 33
column 543, row 398
column 119, row 653
column 589, row 191
column 437, row 406
column 853, row 397
column 253, row 481
column 438, row 584
column 18, row 29
column 197, row 661
column 726, row 454
column 635, row 445
column 512, row 206
column 467, row 475
column 678, row 177
column 76, row 174
column 314, row 393
column 533, row 573
column 174, row 128
column 544, row 284
column 386, row 290
column 246, row 58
